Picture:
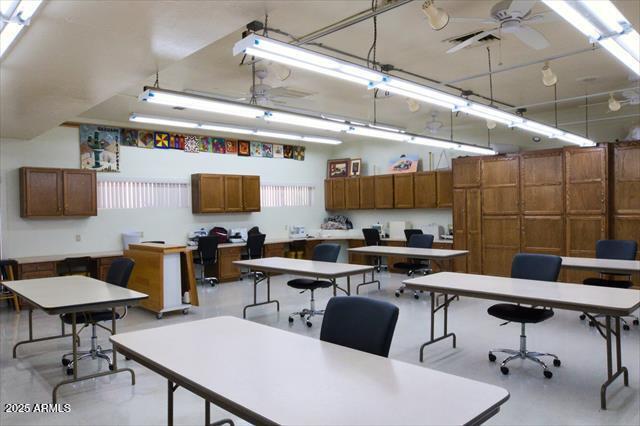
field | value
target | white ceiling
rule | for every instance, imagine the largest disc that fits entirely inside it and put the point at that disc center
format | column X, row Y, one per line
column 404, row 39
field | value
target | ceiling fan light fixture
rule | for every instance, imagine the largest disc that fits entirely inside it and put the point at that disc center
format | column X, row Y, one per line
column 438, row 18
column 549, row 78
column 413, row 105
column 491, row 124
column 614, row 104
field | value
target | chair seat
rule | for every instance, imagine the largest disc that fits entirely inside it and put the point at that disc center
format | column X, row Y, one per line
column 89, row 317
column 308, row 283
column 601, row 282
column 521, row 314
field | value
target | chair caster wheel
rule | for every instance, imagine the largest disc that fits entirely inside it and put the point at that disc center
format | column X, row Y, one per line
column 636, row 322
column 301, row 314
column 290, row 320
column 548, row 374
column 582, row 317
column 504, row 370
column 626, row 327
column 111, row 367
column 127, row 358
column 592, row 324
column 397, row 294
column 159, row 315
column 556, row 363
column 415, row 296
column 185, row 311
column 492, row 357
column 69, row 371
column 309, row 323
column 401, row 290
column 66, row 362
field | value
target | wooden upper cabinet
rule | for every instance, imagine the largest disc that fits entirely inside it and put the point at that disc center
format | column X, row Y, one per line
column 541, row 176
column 207, row 193
column 444, row 188
column 352, row 193
column 384, row 192
column 626, row 178
column 586, row 180
column 233, row 193
column 79, row 193
column 367, row 192
column 425, row 190
column 338, row 191
column 328, row 195
column 251, row 193
column 500, row 185
column 466, row 172
column 403, row 191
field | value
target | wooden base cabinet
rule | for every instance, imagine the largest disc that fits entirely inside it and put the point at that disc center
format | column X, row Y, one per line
column 227, row 271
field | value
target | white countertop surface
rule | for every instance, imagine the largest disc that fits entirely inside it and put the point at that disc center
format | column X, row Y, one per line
column 271, row 375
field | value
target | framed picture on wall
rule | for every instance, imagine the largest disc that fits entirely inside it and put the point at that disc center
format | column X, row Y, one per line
column 356, row 167
column 404, row 164
column 338, row 168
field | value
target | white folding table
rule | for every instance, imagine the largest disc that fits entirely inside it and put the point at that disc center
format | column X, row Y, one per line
column 607, row 266
column 70, row 295
column 610, row 302
column 306, row 268
column 260, row 374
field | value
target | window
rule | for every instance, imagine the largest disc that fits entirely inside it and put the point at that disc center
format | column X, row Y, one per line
column 286, row 195
column 133, row 194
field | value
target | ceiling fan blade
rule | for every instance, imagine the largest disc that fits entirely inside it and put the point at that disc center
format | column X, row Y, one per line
column 521, row 7
column 471, row 40
column 473, row 20
column 542, row 18
column 531, row 37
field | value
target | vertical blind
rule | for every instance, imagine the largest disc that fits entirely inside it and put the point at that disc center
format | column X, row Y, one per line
column 286, row 195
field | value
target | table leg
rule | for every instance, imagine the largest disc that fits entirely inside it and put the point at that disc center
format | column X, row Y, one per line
column 170, row 390
column 620, row 370
column 373, row 281
column 257, row 280
column 445, row 334
column 41, row 339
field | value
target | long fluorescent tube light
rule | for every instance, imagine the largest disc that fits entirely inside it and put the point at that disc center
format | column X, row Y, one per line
column 377, row 133
column 165, row 121
column 437, row 143
column 277, row 51
column 602, row 22
column 19, row 18
column 301, row 120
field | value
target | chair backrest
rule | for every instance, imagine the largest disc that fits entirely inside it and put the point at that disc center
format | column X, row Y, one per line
column 120, row 271
column 371, row 236
column 8, row 268
column 409, row 232
column 420, row 241
column 541, row 267
column 360, row 323
column 326, row 252
column 255, row 245
column 75, row 265
column 616, row 249
column 208, row 249
column 254, row 231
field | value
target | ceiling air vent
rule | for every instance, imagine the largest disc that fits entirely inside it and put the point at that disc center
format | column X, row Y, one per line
column 459, row 39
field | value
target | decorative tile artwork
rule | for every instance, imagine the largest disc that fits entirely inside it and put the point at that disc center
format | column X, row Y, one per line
column 219, row 146
column 192, row 144
column 231, row 146
column 145, row 139
column 288, row 151
column 99, row 148
column 244, row 148
column 129, row 137
column 161, row 140
column 298, row 153
column 278, row 150
column 267, row 150
column 256, row 149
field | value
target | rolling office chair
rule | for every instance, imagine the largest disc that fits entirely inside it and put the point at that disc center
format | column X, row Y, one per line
column 7, row 268
column 118, row 274
column 207, row 255
column 417, row 240
column 75, row 266
column 322, row 253
column 542, row 267
column 360, row 323
column 613, row 249
column 254, row 250
column 372, row 238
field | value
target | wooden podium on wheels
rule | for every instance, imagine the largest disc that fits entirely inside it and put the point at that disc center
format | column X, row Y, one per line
column 165, row 273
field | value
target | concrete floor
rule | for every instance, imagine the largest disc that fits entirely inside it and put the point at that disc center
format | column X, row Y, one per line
column 570, row 397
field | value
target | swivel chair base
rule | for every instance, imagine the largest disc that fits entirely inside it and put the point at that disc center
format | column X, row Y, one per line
column 307, row 314
column 95, row 352
column 523, row 353
column 403, row 287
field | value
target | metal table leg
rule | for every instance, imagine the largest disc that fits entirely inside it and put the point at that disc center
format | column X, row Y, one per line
column 445, row 334
column 266, row 276
column 364, row 282
column 620, row 370
column 41, row 339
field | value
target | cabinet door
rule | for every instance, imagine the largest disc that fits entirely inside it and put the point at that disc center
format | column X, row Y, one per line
column 79, row 193
column 403, row 191
column 500, row 185
column 392, row 260
column 355, row 258
column 444, row 185
column 543, row 235
column 586, row 180
column 227, row 271
column 627, row 179
column 207, row 193
column 352, row 193
column 628, row 228
column 328, row 195
column 338, row 190
column 474, row 231
column 251, row 193
column 233, row 193
column 500, row 242
column 466, row 172
column 582, row 234
column 384, row 192
column 542, row 181
column 367, row 192
column 424, row 190
column 460, row 228
column 40, row 192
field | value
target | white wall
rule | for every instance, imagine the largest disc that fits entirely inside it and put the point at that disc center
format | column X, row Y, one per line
column 60, row 148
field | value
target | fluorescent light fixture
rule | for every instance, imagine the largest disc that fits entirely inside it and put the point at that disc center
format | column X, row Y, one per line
column 379, row 134
column 186, row 101
column 19, row 18
column 491, row 113
column 602, row 22
column 165, row 121
column 577, row 140
column 301, row 120
column 419, row 90
column 437, row 143
column 416, row 96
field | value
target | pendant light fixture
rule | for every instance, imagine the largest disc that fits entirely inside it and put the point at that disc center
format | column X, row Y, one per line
column 438, row 18
column 614, row 104
column 549, row 78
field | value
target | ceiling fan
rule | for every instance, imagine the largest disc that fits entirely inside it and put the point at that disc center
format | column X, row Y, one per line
column 265, row 94
column 509, row 17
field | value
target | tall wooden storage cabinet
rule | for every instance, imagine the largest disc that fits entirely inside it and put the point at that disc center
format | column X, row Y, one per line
column 467, row 214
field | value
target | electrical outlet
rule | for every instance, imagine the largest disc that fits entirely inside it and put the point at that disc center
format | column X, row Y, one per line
column 78, row 237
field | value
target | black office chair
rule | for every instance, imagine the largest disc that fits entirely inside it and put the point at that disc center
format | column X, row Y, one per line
column 323, row 253
column 118, row 274
column 417, row 240
column 372, row 238
column 253, row 250
column 409, row 232
column 613, row 249
column 541, row 267
column 360, row 323
column 75, row 266
column 207, row 255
